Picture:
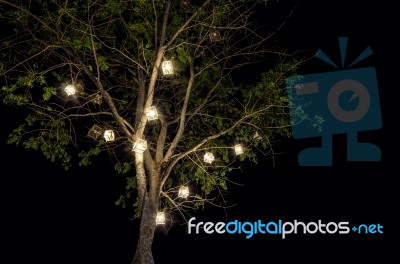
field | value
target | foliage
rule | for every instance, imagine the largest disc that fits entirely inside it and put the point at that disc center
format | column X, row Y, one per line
column 111, row 48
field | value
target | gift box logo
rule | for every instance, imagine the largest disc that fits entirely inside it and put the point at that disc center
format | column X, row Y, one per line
column 343, row 101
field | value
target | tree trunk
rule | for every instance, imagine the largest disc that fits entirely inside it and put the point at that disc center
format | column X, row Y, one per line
column 149, row 199
column 144, row 253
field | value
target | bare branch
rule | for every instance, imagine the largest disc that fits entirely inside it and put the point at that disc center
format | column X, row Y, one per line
column 107, row 97
column 184, row 26
column 182, row 116
column 161, row 139
column 207, row 139
column 30, row 14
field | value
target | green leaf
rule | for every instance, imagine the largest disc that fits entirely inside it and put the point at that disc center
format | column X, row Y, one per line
column 49, row 92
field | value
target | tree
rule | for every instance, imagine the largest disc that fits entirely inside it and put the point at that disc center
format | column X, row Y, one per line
column 111, row 67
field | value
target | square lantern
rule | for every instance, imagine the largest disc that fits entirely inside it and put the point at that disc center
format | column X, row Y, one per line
column 215, row 35
column 139, row 146
column 185, row 4
column 208, row 157
column 70, row 89
column 109, row 135
column 160, row 218
column 97, row 99
column 94, row 132
column 167, row 67
column 74, row 88
column 151, row 113
column 257, row 136
column 183, row 192
column 238, row 149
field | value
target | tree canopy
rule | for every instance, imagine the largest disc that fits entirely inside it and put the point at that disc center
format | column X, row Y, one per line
column 81, row 68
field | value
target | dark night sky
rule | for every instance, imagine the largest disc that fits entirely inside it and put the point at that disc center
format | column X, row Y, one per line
column 52, row 216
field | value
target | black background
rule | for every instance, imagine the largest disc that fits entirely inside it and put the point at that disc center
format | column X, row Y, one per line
column 52, row 216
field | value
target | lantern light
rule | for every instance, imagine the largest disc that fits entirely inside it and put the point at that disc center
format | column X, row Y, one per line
column 208, row 157
column 257, row 136
column 70, row 90
column 167, row 67
column 73, row 88
column 239, row 149
column 139, row 146
column 151, row 113
column 185, row 4
column 94, row 132
column 97, row 99
column 183, row 192
column 215, row 35
column 160, row 218
column 109, row 135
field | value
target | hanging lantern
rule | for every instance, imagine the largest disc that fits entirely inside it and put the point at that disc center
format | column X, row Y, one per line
column 73, row 88
column 94, row 132
column 208, row 157
column 70, row 89
column 109, row 135
column 97, row 99
column 215, row 35
column 160, row 218
column 238, row 149
column 185, row 4
column 167, row 67
column 257, row 136
column 183, row 192
column 151, row 113
column 139, row 146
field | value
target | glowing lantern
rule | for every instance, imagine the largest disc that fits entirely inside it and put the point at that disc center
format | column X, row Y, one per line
column 151, row 113
column 238, row 149
column 139, row 146
column 160, row 218
column 73, row 88
column 70, row 89
column 183, row 192
column 109, row 135
column 215, row 35
column 167, row 67
column 208, row 157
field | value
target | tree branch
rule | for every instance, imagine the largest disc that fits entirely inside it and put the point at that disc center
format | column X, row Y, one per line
column 161, row 139
column 184, row 26
column 105, row 94
column 154, row 74
column 29, row 13
column 181, row 128
column 207, row 139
